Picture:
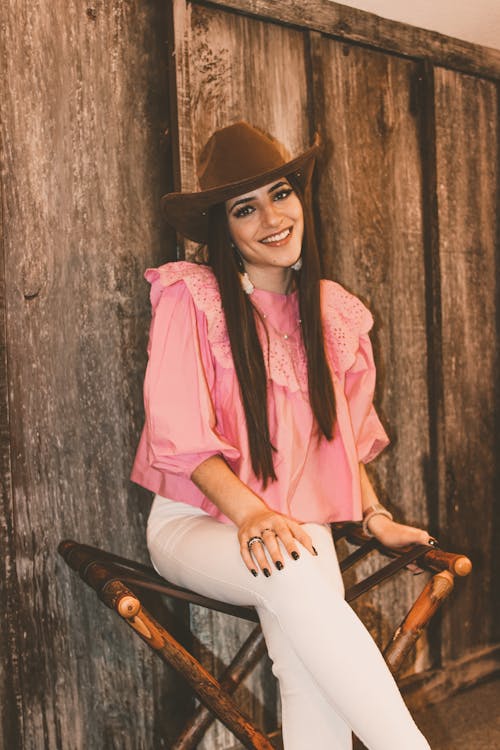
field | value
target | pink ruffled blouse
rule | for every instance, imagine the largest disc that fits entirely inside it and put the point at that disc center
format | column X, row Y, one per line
column 194, row 410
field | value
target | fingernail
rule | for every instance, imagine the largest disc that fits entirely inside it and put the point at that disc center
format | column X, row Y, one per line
column 295, row 555
column 254, row 572
column 279, row 564
column 266, row 572
column 315, row 550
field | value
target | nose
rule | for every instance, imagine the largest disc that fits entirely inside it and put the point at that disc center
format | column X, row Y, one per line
column 271, row 217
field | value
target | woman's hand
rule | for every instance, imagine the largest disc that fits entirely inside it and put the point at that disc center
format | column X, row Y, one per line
column 395, row 535
column 392, row 534
column 389, row 533
column 252, row 517
column 269, row 526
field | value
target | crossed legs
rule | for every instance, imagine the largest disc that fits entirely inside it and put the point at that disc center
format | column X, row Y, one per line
column 332, row 676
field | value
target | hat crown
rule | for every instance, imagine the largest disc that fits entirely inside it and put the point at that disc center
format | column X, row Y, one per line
column 235, row 153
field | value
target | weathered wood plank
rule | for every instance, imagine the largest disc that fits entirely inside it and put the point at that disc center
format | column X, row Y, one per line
column 10, row 690
column 230, row 67
column 83, row 109
column 468, row 180
column 238, row 67
column 83, row 112
column 425, row 105
column 371, row 233
column 353, row 25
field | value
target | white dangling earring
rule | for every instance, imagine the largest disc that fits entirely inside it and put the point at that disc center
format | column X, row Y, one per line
column 298, row 264
column 246, row 284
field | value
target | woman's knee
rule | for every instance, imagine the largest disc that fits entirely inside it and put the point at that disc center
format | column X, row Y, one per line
column 303, row 588
column 327, row 555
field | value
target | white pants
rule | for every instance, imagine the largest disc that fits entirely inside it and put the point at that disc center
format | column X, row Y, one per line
column 332, row 676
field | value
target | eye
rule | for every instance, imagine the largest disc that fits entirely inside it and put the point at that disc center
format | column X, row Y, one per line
column 282, row 194
column 243, row 211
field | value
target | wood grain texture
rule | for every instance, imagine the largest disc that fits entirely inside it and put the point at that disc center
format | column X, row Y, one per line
column 229, row 68
column 468, row 180
column 83, row 111
column 369, row 108
column 353, row 25
column 10, row 689
column 370, row 221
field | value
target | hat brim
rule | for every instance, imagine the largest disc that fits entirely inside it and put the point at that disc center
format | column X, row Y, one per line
column 188, row 212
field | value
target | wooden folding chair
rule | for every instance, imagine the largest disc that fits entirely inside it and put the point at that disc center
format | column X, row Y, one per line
column 118, row 581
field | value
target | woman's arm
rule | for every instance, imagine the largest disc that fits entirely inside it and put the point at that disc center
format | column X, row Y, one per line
column 251, row 516
column 388, row 532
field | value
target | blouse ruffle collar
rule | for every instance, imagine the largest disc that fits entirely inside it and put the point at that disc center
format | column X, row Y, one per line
column 345, row 318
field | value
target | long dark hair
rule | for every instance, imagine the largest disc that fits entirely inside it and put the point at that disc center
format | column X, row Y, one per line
column 245, row 344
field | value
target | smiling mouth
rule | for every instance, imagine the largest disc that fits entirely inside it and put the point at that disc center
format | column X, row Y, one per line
column 279, row 238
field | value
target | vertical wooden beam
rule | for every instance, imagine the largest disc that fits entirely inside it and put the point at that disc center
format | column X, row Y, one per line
column 230, row 67
column 10, row 689
column 495, row 545
column 424, row 108
column 175, row 12
column 371, row 239
column 423, row 105
column 82, row 113
column 467, row 189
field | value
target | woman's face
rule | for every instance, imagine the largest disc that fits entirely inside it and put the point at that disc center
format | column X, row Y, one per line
column 267, row 225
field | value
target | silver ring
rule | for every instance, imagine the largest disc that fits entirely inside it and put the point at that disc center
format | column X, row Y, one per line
column 253, row 540
column 433, row 542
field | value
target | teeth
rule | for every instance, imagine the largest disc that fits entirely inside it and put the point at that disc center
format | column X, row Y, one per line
column 277, row 237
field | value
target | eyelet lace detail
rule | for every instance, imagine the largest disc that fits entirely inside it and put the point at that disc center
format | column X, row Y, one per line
column 286, row 360
column 204, row 289
column 344, row 319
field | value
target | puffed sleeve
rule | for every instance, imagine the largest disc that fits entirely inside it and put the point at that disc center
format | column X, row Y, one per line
column 181, row 426
column 369, row 434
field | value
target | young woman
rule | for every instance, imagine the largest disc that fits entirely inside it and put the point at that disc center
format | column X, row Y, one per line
column 259, row 420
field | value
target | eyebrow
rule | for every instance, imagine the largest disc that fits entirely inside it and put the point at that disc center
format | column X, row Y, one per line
column 252, row 197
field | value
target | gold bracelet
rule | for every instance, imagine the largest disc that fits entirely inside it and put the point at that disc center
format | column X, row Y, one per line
column 377, row 509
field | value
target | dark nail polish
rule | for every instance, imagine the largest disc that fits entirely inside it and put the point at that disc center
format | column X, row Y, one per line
column 266, row 572
column 279, row 564
column 295, row 555
column 315, row 550
column 254, row 572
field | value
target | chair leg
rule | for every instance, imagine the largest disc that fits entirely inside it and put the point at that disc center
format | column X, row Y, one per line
column 245, row 660
column 427, row 603
column 116, row 596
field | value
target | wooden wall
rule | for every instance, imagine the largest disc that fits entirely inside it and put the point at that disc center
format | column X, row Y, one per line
column 83, row 109
column 407, row 197
column 407, row 219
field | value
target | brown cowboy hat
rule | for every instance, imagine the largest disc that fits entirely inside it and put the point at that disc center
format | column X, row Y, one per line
column 235, row 160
